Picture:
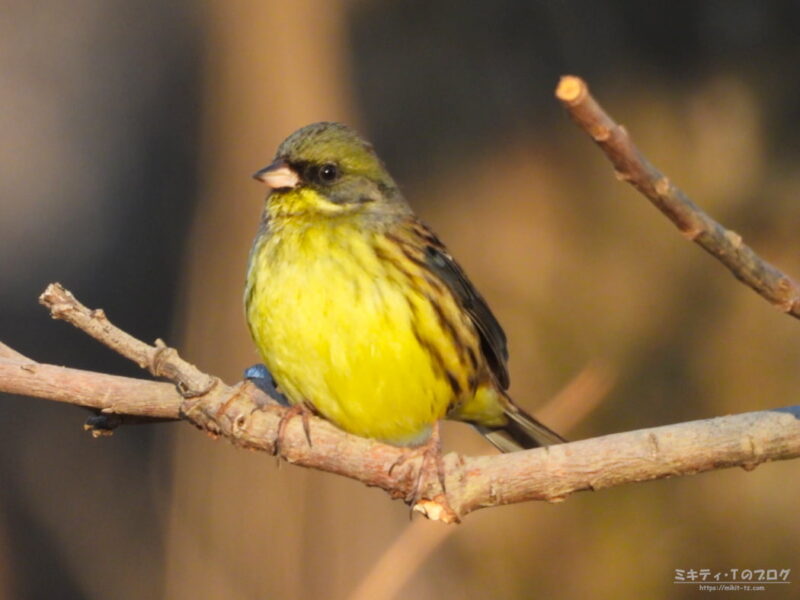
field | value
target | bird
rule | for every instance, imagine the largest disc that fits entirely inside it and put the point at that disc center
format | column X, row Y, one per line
column 360, row 313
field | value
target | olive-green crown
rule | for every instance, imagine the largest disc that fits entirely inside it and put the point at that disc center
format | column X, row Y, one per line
column 329, row 142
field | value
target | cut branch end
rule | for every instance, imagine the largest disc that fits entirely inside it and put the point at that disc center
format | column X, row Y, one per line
column 571, row 89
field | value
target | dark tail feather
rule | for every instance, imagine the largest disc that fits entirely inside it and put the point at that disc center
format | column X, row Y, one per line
column 521, row 432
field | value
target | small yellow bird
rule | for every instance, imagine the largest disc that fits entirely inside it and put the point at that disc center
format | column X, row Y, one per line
column 359, row 311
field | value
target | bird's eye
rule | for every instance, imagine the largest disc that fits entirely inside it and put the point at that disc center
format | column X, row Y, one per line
column 328, row 173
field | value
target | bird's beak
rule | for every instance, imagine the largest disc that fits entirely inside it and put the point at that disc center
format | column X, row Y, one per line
column 278, row 175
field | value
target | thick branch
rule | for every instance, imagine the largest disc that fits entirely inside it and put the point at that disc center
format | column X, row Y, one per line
column 542, row 474
column 632, row 166
column 239, row 414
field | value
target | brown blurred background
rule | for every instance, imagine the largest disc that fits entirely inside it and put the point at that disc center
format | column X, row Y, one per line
column 130, row 131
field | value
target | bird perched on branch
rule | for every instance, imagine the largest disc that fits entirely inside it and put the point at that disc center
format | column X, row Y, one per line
column 359, row 311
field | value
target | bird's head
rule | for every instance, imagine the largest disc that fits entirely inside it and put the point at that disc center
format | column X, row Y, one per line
column 326, row 169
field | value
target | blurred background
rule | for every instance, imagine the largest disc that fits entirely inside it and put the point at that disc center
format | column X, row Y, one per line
column 131, row 131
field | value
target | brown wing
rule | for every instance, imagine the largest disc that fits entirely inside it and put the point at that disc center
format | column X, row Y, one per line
column 493, row 338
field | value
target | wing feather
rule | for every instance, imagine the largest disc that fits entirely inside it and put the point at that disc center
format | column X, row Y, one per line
column 492, row 336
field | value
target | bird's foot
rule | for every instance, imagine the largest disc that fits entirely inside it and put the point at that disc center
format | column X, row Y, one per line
column 300, row 410
column 431, row 468
column 263, row 380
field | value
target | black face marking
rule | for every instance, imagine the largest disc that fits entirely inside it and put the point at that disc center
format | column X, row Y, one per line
column 315, row 174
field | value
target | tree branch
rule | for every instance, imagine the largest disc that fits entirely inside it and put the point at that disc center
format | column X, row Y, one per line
column 248, row 418
column 632, row 166
column 108, row 393
column 159, row 359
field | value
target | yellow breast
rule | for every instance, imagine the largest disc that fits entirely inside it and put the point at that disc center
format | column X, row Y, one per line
column 344, row 323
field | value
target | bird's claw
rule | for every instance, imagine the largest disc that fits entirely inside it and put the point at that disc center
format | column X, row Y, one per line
column 300, row 410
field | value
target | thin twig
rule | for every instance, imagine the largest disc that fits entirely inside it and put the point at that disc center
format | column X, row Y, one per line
column 160, row 360
column 632, row 166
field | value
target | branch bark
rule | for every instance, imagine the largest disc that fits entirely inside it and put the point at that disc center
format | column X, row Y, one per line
column 108, row 393
column 632, row 166
column 247, row 417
